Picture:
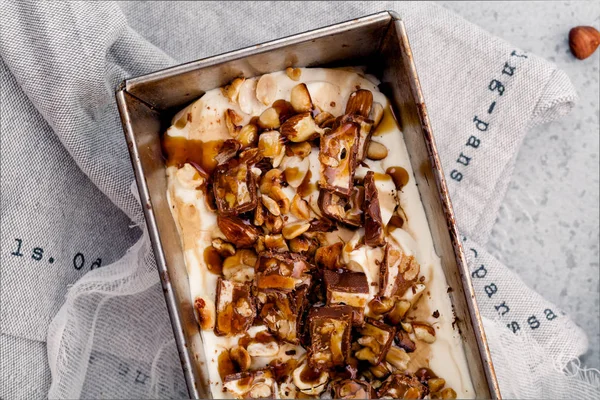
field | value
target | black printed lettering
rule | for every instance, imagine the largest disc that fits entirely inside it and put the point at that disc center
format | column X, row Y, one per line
column 491, row 107
column 464, row 160
column 141, row 377
column 508, row 70
column 18, row 251
column 96, row 264
column 479, row 124
column 491, row 289
column 457, row 176
column 514, row 54
column 549, row 314
column 78, row 261
column 37, row 254
column 514, row 326
column 533, row 322
column 480, row 272
column 502, row 308
column 473, row 142
column 123, row 369
column 474, row 252
column 496, row 85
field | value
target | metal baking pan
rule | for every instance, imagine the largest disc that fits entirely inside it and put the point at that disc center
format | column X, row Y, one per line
column 379, row 41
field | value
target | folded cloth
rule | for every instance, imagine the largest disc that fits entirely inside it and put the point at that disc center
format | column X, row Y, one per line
column 69, row 207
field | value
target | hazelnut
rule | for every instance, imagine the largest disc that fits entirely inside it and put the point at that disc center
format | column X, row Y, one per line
column 276, row 243
column 299, row 208
column 268, row 349
column 270, row 144
column 269, row 119
column 301, row 150
column 424, row 332
column 241, row 357
column 435, row 384
column 266, row 89
column 248, row 135
column 300, row 99
column 583, row 41
column 232, row 90
column 300, row 127
column 271, row 205
column 448, row 393
column 299, row 244
column 295, row 229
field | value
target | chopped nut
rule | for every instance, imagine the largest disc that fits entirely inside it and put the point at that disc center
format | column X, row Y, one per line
column 300, row 99
column 266, row 89
column 205, row 313
column 381, row 305
column 248, row 135
column 241, row 357
column 228, row 151
column 299, row 208
column 281, row 198
column 224, row 248
column 269, row 180
column 424, row 332
column 406, row 327
column 352, row 389
column 315, row 384
column 360, row 103
column 299, row 244
column 436, row 384
column 376, row 114
column 448, row 393
column 301, row 150
column 250, row 384
column 300, row 127
column 376, row 151
column 271, row 205
column 269, row 119
column 380, row 371
column 398, row 312
column 293, row 73
column 263, row 349
column 295, row 229
column 377, row 337
column 405, row 342
column 276, row 243
column 329, row 257
column 295, row 169
column 374, row 234
column 398, row 358
column 400, row 386
column 324, row 120
column 232, row 90
column 232, row 119
column 237, row 231
column 270, row 144
column 240, row 266
column 273, row 223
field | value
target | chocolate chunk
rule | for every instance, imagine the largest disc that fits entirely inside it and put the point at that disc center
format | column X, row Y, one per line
column 234, row 188
column 322, row 225
column 397, row 272
column 338, row 159
column 352, row 389
column 364, row 134
column 251, row 385
column 377, row 337
column 404, row 341
column 399, row 386
column 347, row 210
column 281, row 311
column 238, row 231
column 281, row 271
column 329, row 257
column 235, row 308
column 349, row 288
column 374, row 234
column 330, row 329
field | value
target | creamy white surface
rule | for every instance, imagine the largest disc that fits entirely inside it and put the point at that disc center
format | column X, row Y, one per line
column 325, row 86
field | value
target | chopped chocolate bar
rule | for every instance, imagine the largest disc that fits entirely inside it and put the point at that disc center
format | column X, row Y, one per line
column 235, row 308
column 397, row 272
column 376, row 339
column 338, row 159
column 251, row 385
column 349, row 288
column 347, row 210
column 352, row 389
column 374, row 233
column 281, row 271
column 398, row 386
column 234, row 188
column 364, row 134
column 282, row 312
column 330, row 329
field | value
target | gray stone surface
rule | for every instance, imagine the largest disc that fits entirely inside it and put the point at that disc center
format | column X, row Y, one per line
column 548, row 227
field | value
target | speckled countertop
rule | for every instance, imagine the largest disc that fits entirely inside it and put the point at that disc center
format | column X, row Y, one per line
column 548, row 227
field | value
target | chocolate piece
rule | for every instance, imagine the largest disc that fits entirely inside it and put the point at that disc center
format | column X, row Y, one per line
column 228, row 151
column 360, row 102
column 349, row 288
column 338, row 158
column 281, row 271
column 235, row 308
column 251, row 385
column 282, row 312
column 329, row 257
column 352, row 389
column 364, row 134
column 347, row 210
column 374, row 235
column 404, row 341
column 397, row 272
column 234, row 188
column 377, row 338
column 238, row 231
column 322, row 225
column 398, row 386
column 330, row 329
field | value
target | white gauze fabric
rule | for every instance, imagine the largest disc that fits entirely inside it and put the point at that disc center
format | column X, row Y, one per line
column 60, row 63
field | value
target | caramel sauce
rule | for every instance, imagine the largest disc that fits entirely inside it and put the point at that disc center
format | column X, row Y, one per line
column 395, row 222
column 214, row 262
column 306, row 187
column 180, row 150
column 284, row 109
column 387, row 124
column 310, row 375
column 226, row 365
column 283, row 370
column 399, row 176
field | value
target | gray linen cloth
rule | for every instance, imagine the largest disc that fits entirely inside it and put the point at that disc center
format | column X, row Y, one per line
column 69, row 210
